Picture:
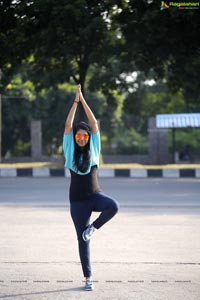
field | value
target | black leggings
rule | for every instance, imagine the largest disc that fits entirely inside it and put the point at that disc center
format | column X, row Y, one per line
column 81, row 213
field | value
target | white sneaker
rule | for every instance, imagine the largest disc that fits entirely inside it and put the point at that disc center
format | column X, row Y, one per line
column 89, row 284
column 88, row 233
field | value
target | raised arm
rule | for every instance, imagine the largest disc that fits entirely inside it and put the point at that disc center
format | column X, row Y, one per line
column 91, row 118
column 71, row 115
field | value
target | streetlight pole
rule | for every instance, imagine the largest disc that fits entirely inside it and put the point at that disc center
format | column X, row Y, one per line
column 0, row 122
column 0, row 128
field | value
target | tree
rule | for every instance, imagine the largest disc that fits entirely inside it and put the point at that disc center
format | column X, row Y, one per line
column 165, row 43
column 64, row 38
column 59, row 41
column 98, row 44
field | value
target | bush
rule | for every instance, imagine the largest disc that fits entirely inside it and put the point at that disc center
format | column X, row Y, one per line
column 183, row 137
column 125, row 142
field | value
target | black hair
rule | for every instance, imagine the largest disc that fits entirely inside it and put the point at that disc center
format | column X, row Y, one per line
column 81, row 164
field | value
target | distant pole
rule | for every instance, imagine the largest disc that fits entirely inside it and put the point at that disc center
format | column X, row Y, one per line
column 173, row 145
column 0, row 128
column 0, row 122
column 36, row 139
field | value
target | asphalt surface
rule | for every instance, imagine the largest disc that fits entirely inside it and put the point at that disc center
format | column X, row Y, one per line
column 150, row 250
column 128, row 191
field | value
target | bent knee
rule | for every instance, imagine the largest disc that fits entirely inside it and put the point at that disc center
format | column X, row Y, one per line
column 115, row 207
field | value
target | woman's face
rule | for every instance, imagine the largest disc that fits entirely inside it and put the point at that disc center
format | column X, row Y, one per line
column 81, row 137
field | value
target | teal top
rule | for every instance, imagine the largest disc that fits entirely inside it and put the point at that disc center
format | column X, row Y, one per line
column 68, row 149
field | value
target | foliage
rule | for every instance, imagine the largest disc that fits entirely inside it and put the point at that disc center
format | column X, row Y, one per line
column 164, row 44
column 64, row 39
column 157, row 99
column 130, row 143
column 184, row 137
column 113, row 48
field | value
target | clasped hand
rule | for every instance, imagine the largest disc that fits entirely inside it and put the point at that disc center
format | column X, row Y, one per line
column 79, row 95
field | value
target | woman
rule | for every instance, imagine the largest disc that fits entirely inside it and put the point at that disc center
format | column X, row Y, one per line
column 81, row 147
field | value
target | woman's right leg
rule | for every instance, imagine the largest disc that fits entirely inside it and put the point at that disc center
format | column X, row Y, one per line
column 80, row 213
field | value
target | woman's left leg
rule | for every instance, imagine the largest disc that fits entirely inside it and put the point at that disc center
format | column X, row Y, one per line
column 80, row 213
column 106, row 205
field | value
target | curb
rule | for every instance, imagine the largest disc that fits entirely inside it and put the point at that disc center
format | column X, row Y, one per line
column 106, row 173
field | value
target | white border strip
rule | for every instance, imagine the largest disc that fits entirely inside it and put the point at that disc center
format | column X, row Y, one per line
column 171, row 173
column 138, row 173
column 41, row 172
column 197, row 173
column 106, row 173
column 67, row 173
column 8, row 172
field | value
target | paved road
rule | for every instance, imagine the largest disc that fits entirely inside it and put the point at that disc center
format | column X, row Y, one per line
column 149, row 251
column 128, row 191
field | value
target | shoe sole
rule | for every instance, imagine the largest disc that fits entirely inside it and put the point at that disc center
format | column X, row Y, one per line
column 89, row 289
